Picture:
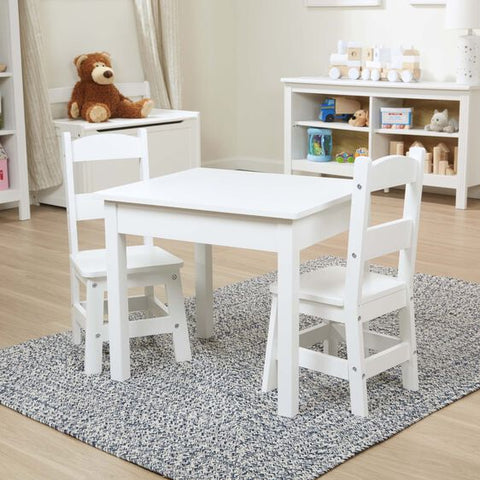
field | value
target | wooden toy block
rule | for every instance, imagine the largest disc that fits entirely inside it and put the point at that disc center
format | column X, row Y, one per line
column 427, row 166
column 397, row 148
column 354, row 53
column 440, row 154
column 450, row 171
column 443, row 147
column 442, row 167
column 417, row 144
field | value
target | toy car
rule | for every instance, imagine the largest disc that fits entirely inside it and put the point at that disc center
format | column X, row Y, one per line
column 344, row 157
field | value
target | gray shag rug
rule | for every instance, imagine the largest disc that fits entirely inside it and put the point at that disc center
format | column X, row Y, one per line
column 207, row 419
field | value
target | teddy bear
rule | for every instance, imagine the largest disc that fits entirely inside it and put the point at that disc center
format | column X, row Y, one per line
column 95, row 98
column 441, row 123
column 359, row 119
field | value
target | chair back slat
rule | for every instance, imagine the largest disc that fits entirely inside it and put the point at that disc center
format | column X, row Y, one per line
column 388, row 238
column 98, row 148
column 392, row 171
column 131, row 89
column 365, row 242
column 94, row 148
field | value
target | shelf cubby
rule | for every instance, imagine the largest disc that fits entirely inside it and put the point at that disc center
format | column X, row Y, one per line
column 304, row 95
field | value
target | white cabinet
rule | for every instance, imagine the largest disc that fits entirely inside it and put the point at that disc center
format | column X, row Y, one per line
column 173, row 141
column 304, row 95
column 12, row 135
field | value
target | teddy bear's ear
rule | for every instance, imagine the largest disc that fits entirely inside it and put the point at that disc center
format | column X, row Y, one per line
column 79, row 60
column 445, row 112
column 435, row 112
column 106, row 54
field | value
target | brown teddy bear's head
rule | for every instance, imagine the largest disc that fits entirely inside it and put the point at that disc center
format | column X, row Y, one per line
column 95, row 67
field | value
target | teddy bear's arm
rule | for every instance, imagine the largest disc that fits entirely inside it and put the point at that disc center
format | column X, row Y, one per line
column 76, row 101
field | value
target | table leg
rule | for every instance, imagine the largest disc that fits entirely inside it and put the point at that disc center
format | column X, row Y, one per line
column 117, row 296
column 204, row 290
column 288, row 336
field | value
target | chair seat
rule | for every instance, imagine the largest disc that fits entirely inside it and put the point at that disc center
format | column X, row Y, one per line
column 140, row 259
column 327, row 285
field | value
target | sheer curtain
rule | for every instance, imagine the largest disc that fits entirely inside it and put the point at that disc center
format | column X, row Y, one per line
column 157, row 27
column 44, row 169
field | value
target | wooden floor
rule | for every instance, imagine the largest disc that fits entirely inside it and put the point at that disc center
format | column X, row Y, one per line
column 34, row 299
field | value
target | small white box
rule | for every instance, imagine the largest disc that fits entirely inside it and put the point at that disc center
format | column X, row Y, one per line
column 393, row 117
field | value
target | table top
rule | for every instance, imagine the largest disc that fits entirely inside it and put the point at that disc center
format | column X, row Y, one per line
column 273, row 195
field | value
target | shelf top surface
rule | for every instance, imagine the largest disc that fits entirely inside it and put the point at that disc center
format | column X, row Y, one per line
column 382, row 84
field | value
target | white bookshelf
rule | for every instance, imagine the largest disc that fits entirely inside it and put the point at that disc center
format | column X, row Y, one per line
column 302, row 99
column 12, row 135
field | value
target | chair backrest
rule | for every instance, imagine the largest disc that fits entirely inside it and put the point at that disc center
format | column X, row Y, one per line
column 366, row 242
column 60, row 96
column 97, row 148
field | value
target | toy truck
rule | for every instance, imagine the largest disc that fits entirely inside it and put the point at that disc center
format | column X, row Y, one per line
column 338, row 108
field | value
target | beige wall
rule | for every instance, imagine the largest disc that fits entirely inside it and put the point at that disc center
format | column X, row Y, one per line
column 234, row 53
column 209, row 69
column 284, row 38
column 73, row 27
column 279, row 38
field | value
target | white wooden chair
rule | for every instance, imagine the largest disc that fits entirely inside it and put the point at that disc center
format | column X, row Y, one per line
column 147, row 265
column 347, row 298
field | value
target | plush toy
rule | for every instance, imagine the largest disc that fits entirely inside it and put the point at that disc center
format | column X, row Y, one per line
column 359, row 119
column 95, row 98
column 441, row 123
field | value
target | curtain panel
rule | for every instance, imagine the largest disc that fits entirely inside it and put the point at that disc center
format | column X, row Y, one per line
column 44, row 168
column 157, row 27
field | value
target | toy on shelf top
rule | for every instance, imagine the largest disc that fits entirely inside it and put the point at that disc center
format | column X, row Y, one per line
column 441, row 123
column 381, row 63
column 3, row 67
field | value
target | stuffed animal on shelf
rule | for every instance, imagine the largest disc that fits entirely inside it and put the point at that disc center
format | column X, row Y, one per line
column 359, row 119
column 95, row 98
column 441, row 123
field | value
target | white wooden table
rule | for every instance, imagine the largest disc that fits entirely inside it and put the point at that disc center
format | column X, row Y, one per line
column 261, row 211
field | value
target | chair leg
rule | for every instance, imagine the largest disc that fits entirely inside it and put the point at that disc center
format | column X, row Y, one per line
column 75, row 299
column 270, row 367
column 149, row 295
column 93, row 328
column 356, row 367
column 330, row 346
column 407, row 334
column 176, row 309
